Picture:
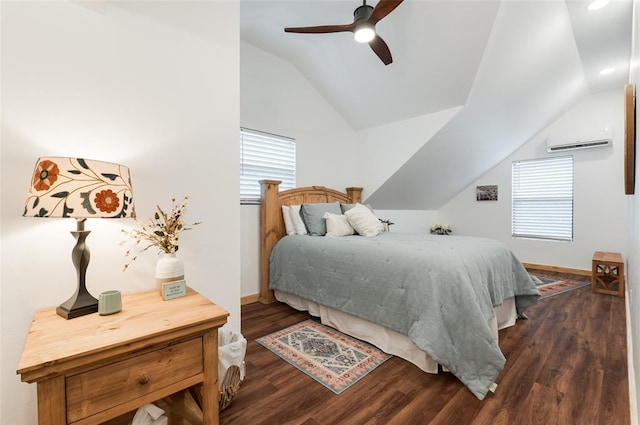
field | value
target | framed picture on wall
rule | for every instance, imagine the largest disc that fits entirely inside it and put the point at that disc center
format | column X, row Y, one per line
column 487, row 193
column 629, row 140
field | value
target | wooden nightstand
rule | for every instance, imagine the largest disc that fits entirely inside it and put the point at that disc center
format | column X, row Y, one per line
column 94, row 368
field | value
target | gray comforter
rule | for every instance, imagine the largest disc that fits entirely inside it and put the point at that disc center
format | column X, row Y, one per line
column 438, row 290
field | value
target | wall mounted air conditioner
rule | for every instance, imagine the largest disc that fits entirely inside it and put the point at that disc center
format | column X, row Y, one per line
column 597, row 140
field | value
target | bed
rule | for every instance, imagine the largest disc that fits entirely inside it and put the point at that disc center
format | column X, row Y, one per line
column 431, row 300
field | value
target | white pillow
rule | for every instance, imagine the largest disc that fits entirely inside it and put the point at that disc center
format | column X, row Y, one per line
column 288, row 223
column 296, row 219
column 364, row 221
column 337, row 225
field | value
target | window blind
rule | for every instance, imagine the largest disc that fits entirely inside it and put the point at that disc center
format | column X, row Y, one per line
column 265, row 156
column 542, row 199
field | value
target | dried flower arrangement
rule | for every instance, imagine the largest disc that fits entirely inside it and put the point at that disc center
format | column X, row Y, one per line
column 440, row 229
column 161, row 232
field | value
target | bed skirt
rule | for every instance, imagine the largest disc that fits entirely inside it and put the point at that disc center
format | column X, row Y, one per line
column 389, row 341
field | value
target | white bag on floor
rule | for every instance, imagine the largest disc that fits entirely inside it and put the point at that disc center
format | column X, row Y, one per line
column 149, row 414
column 232, row 347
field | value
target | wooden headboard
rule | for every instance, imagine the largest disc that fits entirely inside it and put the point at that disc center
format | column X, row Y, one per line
column 272, row 224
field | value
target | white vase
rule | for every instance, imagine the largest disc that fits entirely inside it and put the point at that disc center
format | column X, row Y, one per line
column 169, row 269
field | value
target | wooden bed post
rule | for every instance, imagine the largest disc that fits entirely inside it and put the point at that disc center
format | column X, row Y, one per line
column 355, row 193
column 270, row 222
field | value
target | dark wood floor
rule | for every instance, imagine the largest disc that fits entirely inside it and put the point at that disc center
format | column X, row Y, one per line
column 567, row 364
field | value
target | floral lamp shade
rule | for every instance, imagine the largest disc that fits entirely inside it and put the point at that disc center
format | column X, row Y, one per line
column 79, row 188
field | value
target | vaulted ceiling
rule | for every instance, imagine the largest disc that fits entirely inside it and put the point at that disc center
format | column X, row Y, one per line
column 515, row 66
column 436, row 48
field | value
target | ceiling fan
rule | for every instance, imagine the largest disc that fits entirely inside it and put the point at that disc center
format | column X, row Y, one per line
column 365, row 18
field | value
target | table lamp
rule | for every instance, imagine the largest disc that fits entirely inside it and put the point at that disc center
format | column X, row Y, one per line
column 79, row 188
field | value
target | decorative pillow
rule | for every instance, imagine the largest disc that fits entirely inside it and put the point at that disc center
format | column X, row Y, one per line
column 364, row 221
column 337, row 225
column 288, row 223
column 313, row 216
column 296, row 219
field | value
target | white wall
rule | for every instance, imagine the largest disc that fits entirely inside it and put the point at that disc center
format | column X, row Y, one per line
column 409, row 221
column 600, row 212
column 277, row 99
column 633, row 232
column 250, row 248
column 152, row 85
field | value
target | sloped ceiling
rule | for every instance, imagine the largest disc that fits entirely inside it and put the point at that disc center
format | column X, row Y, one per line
column 515, row 65
column 436, row 48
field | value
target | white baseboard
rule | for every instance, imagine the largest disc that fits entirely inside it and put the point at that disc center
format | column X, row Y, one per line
column 633, row 405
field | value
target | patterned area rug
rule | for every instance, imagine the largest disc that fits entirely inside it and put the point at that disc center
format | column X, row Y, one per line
column 335, row 360
column 549, row 285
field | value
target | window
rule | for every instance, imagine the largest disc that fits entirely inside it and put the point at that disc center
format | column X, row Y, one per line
column 265, row 156
column 543, row 199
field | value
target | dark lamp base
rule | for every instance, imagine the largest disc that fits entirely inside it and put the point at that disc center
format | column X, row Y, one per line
column 77, row 312
column 78, row 306
column 82, row 302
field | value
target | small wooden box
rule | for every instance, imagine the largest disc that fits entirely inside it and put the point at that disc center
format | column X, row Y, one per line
column 607, row 273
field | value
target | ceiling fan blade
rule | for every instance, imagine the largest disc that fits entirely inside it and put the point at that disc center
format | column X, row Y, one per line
column 382, row 9
column 322, row 29
column 381, row 49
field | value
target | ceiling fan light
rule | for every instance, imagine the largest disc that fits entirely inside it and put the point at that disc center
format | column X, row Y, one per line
column 364, row 33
